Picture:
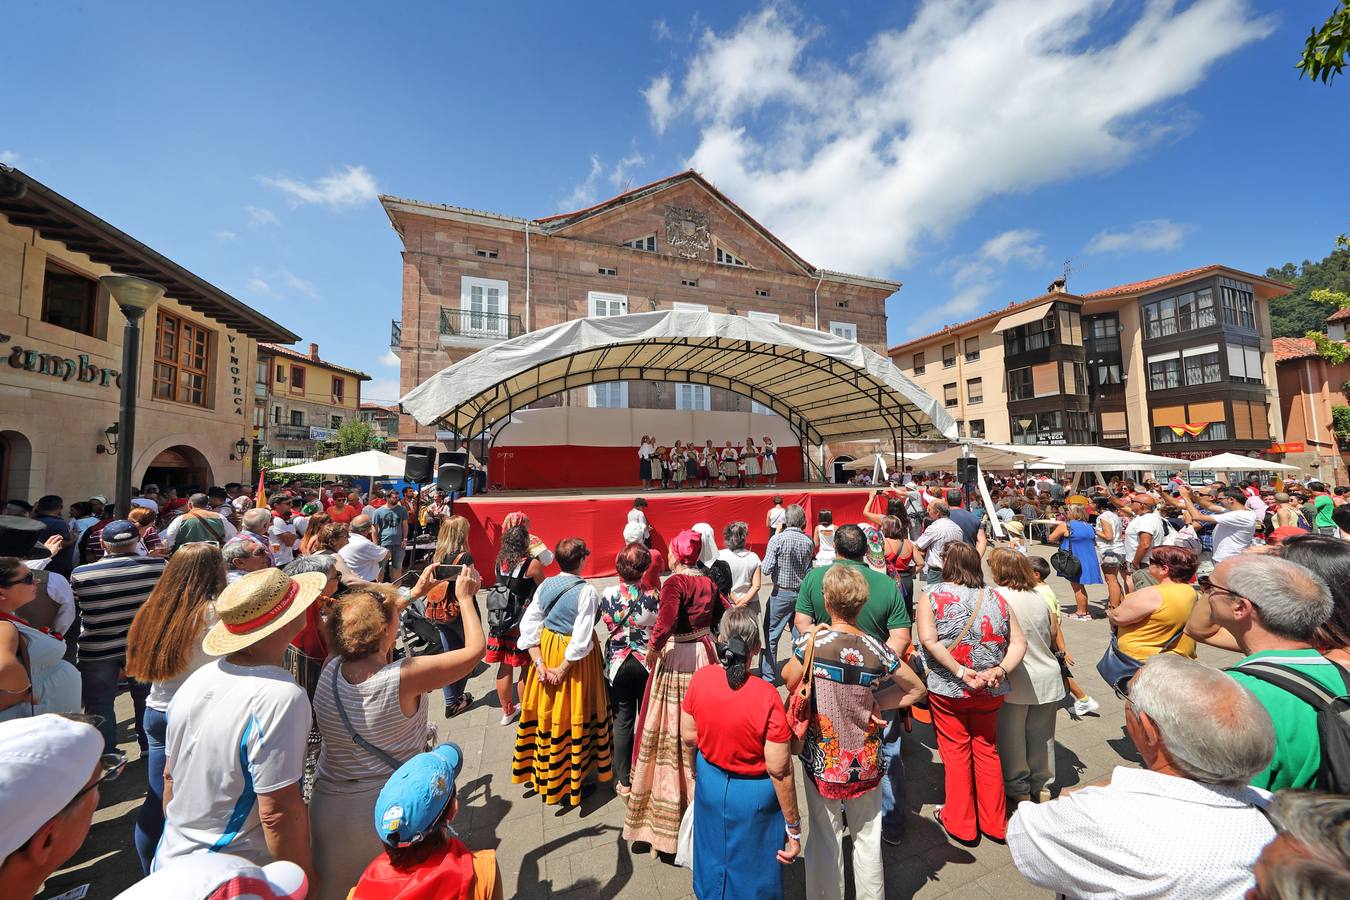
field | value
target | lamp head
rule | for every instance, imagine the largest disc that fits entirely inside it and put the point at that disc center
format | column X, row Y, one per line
column 132, row 292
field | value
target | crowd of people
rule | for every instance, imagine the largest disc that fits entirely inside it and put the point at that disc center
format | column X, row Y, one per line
column 281, row 658
column 689, row 465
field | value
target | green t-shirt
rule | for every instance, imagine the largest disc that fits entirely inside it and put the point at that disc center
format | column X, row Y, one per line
column 1324, row 506
column 1298, row 750
column 884, row 609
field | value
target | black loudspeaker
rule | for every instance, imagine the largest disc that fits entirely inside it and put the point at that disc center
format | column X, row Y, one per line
column 455, row 457
column 967, row 470
column 450, row 477
column 421, row 464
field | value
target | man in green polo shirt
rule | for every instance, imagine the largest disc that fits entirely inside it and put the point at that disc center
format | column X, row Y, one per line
column 1267, row 608
column 885, row 618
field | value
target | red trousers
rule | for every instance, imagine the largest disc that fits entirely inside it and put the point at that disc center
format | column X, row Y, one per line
column 966, row 730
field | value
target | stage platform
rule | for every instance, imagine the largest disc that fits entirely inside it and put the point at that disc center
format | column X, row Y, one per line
column 598, row 516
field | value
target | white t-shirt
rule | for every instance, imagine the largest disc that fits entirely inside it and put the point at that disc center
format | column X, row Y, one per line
column 1148, row 522
column 638, row 517
column 363, row 557
column 777, row 517
column 246, row 727
column 743, row 564
column 1233, row 532
column 162, row 692
column 280, row 527
column 1117, row 542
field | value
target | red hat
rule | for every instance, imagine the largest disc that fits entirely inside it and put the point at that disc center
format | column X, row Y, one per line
column 1284, row 533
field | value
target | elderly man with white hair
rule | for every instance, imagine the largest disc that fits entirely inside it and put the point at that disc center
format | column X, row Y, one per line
column 1188, row 825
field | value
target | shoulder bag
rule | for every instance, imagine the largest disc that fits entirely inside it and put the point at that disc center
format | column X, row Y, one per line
column 443, row 606
column 361, row 742
column 1117, row 667
column 798, row 705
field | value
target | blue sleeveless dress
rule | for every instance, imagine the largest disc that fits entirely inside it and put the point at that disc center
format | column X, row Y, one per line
column 1082, row 543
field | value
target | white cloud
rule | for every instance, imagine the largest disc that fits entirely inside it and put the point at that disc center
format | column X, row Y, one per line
column 584, row 194
column 349, row 186
column 390, row 358
column 662, row 30
column 855, row 165
column 659, row 103
column 297, row 284
column 381, row 390
column 9, row 158
column 975, row 277
column 225, row 235
column 258, row 286
column 277, row 282
column 259, row 216
column 621, row 176
column 1146, row 236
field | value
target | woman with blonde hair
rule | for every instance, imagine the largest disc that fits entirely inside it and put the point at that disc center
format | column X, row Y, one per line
column 452, row 549
column 310, row 542
column 1026, row 720
column 1076, row 536
column 164, row 647
column 373, row 719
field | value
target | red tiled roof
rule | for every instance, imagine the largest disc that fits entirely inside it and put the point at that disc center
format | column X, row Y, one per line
column 382, row 407
column 1139, row 287
column 303, row 357
column 1287, row 349
column 997, row 313
column 1340, row 315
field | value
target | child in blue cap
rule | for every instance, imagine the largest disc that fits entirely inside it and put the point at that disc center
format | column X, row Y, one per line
column 423, row 859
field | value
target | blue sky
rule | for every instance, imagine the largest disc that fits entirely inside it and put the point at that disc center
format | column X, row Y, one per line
column 965, row 149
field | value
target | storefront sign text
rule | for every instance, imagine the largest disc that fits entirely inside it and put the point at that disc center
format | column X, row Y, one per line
column 236, row 385
column 62, row 367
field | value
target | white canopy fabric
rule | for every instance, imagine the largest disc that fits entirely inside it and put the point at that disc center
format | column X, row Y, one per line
column 866, row 463
column 366, row 464
column 826, row 387
column 991, row 456
column 1071, row 457
column 1236, row 462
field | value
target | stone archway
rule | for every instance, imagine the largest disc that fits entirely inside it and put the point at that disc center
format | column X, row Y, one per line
column 839, row 473
column 180, row 467
column 16, row 467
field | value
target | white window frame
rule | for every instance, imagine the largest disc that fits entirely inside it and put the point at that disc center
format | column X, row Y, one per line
column 593, row 300
column 594, row 399
column 679, row 306
column 696, row 397
column 466, row 285
column 634, row 243
column 729, row 258
column 846, row 330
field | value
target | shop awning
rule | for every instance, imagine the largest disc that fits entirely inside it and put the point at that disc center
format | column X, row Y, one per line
column 1236, row 462
column 1023, row 317
column 826, row 387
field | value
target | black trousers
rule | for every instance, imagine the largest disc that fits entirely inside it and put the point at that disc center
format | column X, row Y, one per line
column 625, row 696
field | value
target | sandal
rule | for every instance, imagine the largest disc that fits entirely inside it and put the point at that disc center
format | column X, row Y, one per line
column 465, row 701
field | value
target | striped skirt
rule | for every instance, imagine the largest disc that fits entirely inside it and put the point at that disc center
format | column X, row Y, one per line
column 661, row 785
column 564, row 731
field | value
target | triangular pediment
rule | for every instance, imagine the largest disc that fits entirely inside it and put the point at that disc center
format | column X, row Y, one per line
column 683, row 217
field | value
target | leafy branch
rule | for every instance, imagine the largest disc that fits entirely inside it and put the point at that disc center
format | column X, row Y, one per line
column 1338, row 299
column 1340, row 424
column 1332, row 351
column 1326, row 48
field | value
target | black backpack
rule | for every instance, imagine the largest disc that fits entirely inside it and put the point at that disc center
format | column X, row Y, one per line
column 1333, row 716
column 507, row 599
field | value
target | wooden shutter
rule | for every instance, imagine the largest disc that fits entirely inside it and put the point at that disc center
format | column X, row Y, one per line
column 1113, row 421
column 1205, row 412
column 1045, row 379
column 1242, row 421
column 1260, row 422
column 1169, row 415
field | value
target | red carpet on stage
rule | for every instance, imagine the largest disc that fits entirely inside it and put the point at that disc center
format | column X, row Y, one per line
column 599, row 519
column 530, row 468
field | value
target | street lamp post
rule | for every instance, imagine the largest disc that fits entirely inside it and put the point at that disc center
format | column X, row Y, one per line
column 134, row 296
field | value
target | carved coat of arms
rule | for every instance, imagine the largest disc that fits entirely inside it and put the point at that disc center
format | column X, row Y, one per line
column 687, row 231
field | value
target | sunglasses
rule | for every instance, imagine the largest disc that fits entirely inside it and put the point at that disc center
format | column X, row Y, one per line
column 111, row 766
column 27, row 579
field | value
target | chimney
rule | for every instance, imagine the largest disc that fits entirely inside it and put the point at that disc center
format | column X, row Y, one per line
column 314, row 352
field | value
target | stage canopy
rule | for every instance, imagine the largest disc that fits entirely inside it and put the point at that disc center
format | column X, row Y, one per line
column 868, row 463
column 1236, row 462
column 826, row 387
column 366, row 464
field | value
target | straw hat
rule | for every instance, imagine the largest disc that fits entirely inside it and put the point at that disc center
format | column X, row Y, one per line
column 259, row 604
column 1014, row 527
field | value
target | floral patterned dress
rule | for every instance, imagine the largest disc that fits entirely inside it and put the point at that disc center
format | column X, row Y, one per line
column 982, row 647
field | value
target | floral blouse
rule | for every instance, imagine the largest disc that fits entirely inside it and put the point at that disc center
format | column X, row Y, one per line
column 629, row 612
column 982, row 647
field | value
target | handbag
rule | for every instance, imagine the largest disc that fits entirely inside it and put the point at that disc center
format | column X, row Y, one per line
column 442, row 605
column 1117, row 667
column 684, row 848
column 1066, row 564
column 798, row 705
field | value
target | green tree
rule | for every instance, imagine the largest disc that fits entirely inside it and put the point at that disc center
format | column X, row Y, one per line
column 1325, row 51
column 354, row 436
column 1298, row 312
column 1340, row 424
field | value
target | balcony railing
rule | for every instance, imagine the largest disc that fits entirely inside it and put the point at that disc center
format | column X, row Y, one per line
column 395, row 334
column 291, row 432
column 469, row 323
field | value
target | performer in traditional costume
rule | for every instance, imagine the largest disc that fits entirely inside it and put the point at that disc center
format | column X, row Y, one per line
column 770, row 465
column 751, row 458
column 730, row 458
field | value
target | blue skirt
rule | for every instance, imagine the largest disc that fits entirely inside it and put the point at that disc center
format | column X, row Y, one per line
column 1081, row 542
column 738, row 829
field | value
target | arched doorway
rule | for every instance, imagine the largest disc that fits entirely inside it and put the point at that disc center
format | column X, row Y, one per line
column 180, row 467
column 16, row 467
column 841, row 475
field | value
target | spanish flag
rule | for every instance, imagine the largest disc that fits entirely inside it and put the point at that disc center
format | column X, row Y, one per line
column 260, row 502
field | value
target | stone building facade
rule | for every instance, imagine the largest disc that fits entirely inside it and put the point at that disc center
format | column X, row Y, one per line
column 303, row 400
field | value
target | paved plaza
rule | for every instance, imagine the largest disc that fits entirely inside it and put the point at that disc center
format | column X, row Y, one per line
column 560, row 852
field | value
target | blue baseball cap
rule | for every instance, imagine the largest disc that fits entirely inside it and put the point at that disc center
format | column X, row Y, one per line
column 416, row 795
column 120, row 531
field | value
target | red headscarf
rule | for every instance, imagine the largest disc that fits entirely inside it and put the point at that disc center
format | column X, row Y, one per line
column 687, row 547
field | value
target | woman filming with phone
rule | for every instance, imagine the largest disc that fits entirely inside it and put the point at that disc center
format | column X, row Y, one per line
column 442, row 608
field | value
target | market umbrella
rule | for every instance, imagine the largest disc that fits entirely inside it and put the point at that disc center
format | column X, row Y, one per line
column 989, row 455
column 868, row 462
column 1236, row 462
column 366, row 464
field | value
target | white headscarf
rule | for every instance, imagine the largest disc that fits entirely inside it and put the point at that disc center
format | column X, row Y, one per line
column 709, row 552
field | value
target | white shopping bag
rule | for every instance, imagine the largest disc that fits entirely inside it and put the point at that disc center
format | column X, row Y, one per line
column 684, row 848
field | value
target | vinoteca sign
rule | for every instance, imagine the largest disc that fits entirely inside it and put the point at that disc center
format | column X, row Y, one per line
column 62, row 367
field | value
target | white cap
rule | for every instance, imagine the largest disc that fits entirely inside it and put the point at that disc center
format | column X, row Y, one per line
column 200, row 875
column 148, row 504
column 44, row 762
column 633, row 533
